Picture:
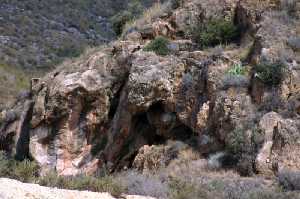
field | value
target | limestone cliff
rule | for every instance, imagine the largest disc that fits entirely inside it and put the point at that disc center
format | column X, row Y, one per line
column 98, row 111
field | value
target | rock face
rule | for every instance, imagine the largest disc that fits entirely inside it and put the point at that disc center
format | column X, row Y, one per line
column 281, row 145
column 150, row 158
column 14, row 189
column 101, row 110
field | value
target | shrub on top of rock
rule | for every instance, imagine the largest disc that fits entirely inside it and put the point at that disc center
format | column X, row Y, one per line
column 214, row 32
column 235, row 77
column 271, row 74
column 159, row 45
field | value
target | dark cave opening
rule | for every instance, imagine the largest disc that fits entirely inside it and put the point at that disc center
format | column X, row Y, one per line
column 154, row 127
column 167, row 124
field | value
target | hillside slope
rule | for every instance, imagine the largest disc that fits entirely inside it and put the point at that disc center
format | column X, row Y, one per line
column 37, row 35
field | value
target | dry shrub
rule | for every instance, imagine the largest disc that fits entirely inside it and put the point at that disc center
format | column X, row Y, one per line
column 97, row 184
column 144, row 184
column 149, row 15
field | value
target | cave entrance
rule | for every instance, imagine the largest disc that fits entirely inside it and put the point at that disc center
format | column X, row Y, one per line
column 154, row 127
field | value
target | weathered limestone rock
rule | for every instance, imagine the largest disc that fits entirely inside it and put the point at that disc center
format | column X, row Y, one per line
column 193, row 12
column 151, row 158
column 281, row 145
column 263, row 159
column 162, row 28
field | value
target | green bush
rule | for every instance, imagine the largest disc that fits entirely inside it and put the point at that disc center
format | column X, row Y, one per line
column 182, row 190
column 134, row 10
column 236, row 141
column 159, row 45
column 102, row 184
column 119, row 21
column 4, row 165
column 25, row 171
column 237, row 69
column 69, row 49
column 51, row 179
column 215, row 32
column 271, row 74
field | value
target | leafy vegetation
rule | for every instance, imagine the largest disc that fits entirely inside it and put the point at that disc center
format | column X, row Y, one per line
column 236, row 140
column 83, row 182
column 5, row 165
column 21, row 79
column 237, row 69
column 214, row 32
column 182, row 190
column 271, row 74
column 159, row 45
column 25, row 171
column 12, row 81
column 119, row 21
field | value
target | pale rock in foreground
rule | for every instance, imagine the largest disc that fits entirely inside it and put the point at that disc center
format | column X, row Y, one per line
column 11, row 189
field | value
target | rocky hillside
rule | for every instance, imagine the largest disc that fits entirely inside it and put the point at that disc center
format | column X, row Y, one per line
column 37, row 35
column 41, row 33
column 219, row 77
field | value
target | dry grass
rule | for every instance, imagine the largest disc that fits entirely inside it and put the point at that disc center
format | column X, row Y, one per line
column 154, row 12
column 80, row 63
column 262, row 4
column 12, row 81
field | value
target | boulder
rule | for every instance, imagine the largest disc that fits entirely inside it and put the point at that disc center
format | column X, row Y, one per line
column 280, row 147
column 151, row 158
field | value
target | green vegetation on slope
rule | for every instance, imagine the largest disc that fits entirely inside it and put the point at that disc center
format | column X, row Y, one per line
column 12, row 81
column 271, row 74
column 159, row 45
column 214, row 32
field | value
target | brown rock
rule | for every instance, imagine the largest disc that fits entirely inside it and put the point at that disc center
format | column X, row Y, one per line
column 281, row 145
